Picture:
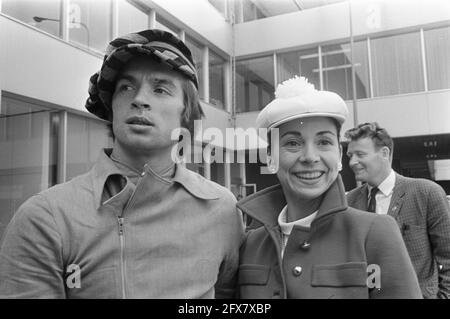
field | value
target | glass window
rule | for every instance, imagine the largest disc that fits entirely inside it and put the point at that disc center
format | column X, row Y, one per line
column 218, row 173
column 44, row 14
column 85, row 139
column 254, row 83
column 197, row 54
column 397, row 65
column 302, row 63
column 220, row 5
column 89, row 23
column 337, row 69
column 251, row 11
column 216, row 79
column 131, row 19
column 162, row 24
column 28, row 157
column 437, row 48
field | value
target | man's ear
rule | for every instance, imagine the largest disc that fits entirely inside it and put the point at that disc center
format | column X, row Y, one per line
column 386, row 152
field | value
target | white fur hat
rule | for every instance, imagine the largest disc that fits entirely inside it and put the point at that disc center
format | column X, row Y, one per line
column 296, row 98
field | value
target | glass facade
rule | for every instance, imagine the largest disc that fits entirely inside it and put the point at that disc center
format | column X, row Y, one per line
column 90, row 23
column 254, row 83
column 28, row 140
column 162, row 24
column 437, row 52
column 131, row 19
column 221, row 6
column 197, row 54
column 85, row 140
column 302, row 63
column 30, row 157
column 337, row 69
column 44, row 15
column 216, row 80
column 397, row 64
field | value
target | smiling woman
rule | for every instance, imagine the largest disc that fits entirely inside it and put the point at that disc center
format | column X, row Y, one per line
column 311, row 244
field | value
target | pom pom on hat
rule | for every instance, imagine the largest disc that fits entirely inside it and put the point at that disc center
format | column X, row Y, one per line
column 294, row 87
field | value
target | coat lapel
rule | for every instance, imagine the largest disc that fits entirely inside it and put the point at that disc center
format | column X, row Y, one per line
column 397, row 197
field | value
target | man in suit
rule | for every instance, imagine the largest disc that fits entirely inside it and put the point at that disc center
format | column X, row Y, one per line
column 419, row 206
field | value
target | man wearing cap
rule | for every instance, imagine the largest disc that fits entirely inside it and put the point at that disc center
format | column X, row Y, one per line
column 311, row 244
column 137, row 225
column 418, row 205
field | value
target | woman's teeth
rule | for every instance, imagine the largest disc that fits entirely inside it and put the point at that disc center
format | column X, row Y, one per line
column 309, row 175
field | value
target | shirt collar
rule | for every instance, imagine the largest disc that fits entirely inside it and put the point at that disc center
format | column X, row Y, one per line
column 286, row 227
column 386, row 186
column 192, row 182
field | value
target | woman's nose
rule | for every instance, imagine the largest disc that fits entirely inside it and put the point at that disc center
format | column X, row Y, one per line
column 309, row 154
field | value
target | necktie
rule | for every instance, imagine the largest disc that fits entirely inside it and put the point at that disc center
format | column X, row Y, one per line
column 372, row 202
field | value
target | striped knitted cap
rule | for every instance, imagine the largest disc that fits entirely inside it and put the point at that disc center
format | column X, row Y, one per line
column 159, row 45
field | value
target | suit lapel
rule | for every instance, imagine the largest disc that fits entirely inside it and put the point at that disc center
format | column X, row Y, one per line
column 397, row 197
column 361, row 198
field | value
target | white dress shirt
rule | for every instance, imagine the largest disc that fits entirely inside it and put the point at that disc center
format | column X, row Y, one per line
column 384, row 195
column 286, row 228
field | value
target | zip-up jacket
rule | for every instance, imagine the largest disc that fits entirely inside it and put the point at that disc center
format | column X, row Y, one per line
column 101, row 235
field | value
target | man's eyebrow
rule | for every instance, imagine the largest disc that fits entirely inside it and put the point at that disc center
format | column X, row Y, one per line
column 154, row 81
column 127, row 77
column 163, row 82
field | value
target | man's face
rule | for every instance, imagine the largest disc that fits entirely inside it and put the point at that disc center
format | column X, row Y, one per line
column 309, row 156
column 147, row 104
column 368, row 163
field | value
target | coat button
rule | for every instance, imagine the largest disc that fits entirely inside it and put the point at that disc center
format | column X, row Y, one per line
column 297, row 271
column 305, row 245
column 143, row 174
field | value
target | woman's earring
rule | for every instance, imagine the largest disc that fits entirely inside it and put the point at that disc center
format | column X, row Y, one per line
column 339, row 166
column 271, row 165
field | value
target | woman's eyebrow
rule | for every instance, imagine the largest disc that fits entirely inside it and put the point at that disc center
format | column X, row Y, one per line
column 292, row 133
column 325, row 132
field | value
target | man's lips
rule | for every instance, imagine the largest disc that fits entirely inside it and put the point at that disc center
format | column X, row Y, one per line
column 357, row 170
column 139, row 120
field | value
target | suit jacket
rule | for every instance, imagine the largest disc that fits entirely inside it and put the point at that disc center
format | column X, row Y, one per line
column 422, row 213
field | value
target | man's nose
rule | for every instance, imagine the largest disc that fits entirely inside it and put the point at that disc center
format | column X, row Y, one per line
column 142, row 97
column 353, row 161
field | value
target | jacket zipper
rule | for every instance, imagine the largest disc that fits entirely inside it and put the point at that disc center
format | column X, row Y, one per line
column 120, row 221
column 122, row 256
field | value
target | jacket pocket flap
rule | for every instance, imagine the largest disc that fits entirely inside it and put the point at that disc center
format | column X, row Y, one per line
column 253, row 274
column 340, row 275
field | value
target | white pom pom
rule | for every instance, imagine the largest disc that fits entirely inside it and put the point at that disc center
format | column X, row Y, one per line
column 294, row 87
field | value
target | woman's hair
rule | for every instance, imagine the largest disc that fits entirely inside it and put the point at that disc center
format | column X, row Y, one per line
column 192, row 108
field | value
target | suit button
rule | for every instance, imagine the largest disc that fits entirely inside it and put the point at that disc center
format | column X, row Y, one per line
column 305, row 245
column 297, row 271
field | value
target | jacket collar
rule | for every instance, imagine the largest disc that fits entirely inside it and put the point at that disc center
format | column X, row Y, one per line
column 192, row 182
column 266, row 205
